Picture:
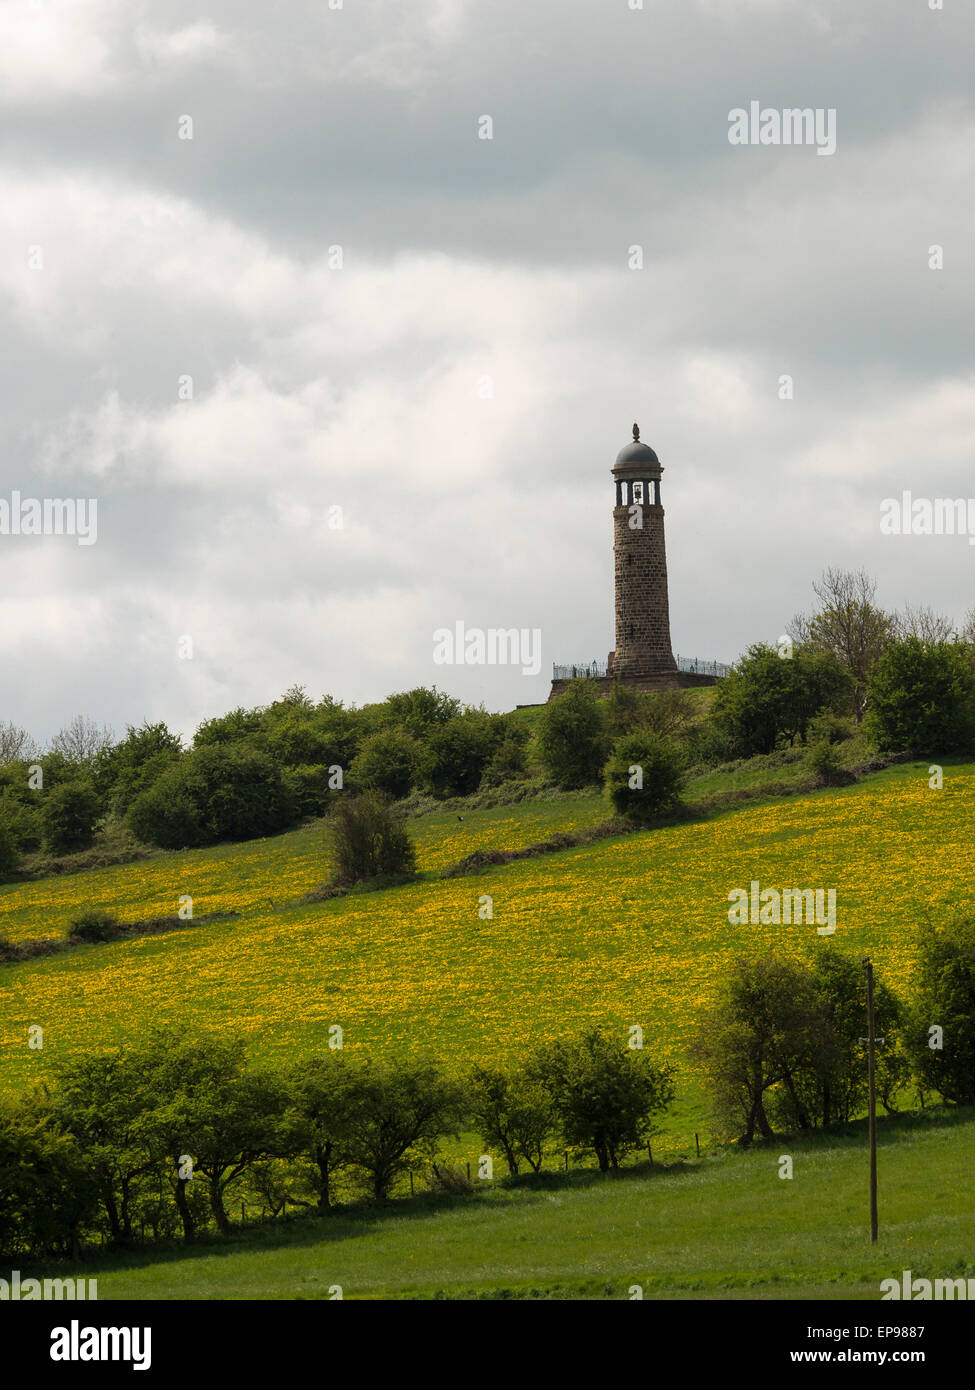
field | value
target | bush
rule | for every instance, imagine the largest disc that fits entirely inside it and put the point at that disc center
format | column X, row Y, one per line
column 9, row 850
column 456, row 755
column 127, row 768
column 308, row 789
column 68, row 815
column 451, row 1180
column 49, row 1194
column 826, row 763
column 829, row 727
column 217, row 792
column 921, row 698
column 166, row 814
column 419, row 711
column 95, row 924
column 386, row 762
column 572, row 736
column 644, row 776
column 367, row 840
column 712, row 745
column 25, row 825
column 508, row 761
column 666, row 712
column 766, row 697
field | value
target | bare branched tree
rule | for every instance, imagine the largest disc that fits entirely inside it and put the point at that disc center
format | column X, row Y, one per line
column 16, row 743
column 968, row 630
column 81, row 740
column 849, row 624
column 924, row 623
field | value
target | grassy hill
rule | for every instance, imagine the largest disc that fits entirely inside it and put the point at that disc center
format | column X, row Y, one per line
column 627, row 930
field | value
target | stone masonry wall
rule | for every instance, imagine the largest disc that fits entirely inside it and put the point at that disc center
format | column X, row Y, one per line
column 642, row 608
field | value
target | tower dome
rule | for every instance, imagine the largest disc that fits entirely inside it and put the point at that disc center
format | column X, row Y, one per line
column 637, row 452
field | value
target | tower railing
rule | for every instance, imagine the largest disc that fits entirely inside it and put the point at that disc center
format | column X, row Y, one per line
column 691, row 665
column 694, row 666
column 579, row 670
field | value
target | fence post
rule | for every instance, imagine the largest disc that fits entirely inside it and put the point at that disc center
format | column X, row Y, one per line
column 650, row 1155
column 411, row 1183
column 242, row 1215
column 697, row 1144
column 567, row 1160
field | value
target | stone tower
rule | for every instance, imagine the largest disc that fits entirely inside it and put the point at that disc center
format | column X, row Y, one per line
column 644, row 658
column 643, row 654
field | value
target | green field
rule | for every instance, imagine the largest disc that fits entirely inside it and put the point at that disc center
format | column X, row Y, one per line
column 725, row 1227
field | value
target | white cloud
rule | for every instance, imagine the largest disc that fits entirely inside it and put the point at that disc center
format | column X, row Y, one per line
column 360, row 387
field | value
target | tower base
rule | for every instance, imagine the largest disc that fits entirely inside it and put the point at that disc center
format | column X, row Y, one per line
column 646, row 685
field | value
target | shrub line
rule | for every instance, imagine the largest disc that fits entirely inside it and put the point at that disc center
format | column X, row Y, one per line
column 12, row 951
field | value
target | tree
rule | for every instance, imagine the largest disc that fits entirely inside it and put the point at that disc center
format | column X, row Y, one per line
column 644, row 776
column 129, row 767
column 922, row 698
column 403, row 1110
column 457, row 753
column 753, row 1039
column 849, row 625
column 16, row 745
column 572, row 736
column 783, row 1044
column 301, row 734
column 511, row 1111
column 206, row 1115
column 100, row 1100
column 945, row 1001
column 420, row 711
column 325, row 1095
column 831, row 1072
column 604, row 1094
column 766, row 697
column 386, row 762
column 69, row 812
column 296, row 697
column 236, row 1121
column 229, row 728
column 82, row 740
column 923, row 622
column 367, row 840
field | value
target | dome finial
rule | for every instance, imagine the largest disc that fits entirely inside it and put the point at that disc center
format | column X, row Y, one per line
column 636, row 433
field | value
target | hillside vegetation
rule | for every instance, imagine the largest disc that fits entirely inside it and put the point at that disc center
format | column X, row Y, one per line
column 629, row 930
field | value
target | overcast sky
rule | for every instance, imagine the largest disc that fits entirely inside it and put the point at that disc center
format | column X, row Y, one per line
column 461, row 384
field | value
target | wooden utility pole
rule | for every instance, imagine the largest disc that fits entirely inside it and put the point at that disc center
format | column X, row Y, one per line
column 871, row 1099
